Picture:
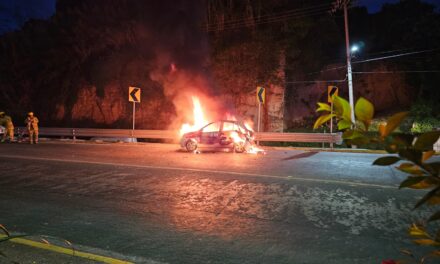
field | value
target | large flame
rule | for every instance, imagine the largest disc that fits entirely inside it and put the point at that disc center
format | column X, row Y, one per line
column 198, row 118
column 237, row 138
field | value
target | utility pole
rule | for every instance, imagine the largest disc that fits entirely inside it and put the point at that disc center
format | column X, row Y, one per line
column 338, row 5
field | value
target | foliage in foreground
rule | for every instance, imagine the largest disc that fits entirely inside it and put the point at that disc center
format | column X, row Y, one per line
column 411, row 155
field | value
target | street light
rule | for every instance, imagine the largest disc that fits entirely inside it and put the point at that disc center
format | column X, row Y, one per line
column 354, row 49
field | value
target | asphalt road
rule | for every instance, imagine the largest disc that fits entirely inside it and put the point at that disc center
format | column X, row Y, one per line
column 152, row 202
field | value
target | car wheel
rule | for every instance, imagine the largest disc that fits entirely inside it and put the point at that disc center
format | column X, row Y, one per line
column 191, row 145
column 239, row 147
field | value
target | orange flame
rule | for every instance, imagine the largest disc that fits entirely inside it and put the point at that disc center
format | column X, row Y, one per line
column 248, row 126
column 236, row 138
column 198, row 115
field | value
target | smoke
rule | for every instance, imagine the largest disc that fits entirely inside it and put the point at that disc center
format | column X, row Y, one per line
column 181, row 58
column 168, row 36
column 101, row 47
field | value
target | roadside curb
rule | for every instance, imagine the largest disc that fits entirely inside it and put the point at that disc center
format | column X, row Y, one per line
column 67, row 251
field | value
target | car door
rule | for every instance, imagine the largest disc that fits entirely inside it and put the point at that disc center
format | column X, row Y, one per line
column 225, row 134
column 210, row 135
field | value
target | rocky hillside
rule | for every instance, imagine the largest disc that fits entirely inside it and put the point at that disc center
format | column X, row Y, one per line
column 75, row 68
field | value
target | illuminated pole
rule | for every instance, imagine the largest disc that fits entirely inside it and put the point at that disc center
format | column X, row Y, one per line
column 259, row 120
column 134, row 116
column 349, row 74
column 331, row 122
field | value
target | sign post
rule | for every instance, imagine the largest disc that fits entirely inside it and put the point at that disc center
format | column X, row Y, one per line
column 261, row 98
column 331, row 91
column 134, row 95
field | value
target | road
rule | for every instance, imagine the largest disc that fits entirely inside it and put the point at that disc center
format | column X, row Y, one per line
column 152, row 202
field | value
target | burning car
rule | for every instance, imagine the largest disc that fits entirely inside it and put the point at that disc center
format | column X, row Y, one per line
column 219, row 135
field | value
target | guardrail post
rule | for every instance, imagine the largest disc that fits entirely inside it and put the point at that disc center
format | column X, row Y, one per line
column 332, row 141
column 74, row 136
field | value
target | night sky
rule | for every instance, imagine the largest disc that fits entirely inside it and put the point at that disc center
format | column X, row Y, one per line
column 14, row 13
column 375, row 5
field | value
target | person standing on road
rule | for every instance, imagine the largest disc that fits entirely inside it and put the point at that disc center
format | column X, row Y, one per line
column 32, row 127
column 6, row 121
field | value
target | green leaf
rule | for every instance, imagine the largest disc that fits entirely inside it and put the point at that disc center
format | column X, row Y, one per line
column 393, row 122
column 418, row 231
column 322, row 119
column 401, row 139
column 342, row 108
column 434, row 167
column 427, row 155
column 364, row 111
column 426, row 140
column 426, row 242
column 4, row 229
column 434, row 217
column 427, row 196
column 344, row 124
column 3, row 239
column 411, row 180
column 391, row 148
column 410, row 168
column 351, row 134
column 434, row 199
column 385, row 161
column 411, row 155
column 419, row 182
column 323, row 107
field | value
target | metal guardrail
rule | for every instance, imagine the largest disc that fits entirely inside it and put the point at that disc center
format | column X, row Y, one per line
column 99, row 132
column 299, row 137
column 169, row 134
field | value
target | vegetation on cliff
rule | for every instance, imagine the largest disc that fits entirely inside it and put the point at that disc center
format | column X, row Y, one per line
column 74, row 69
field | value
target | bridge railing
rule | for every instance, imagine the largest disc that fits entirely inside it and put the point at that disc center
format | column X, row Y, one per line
column 174, row 135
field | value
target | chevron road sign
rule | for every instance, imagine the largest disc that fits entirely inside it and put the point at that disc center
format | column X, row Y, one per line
column 331, row 90
column 134, row 94
column 261, row 94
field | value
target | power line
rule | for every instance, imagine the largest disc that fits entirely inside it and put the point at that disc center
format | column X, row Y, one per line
column 272, row 19
column 330, row 69
column 396, row 55
column 376, row 59
column 268, row 21
column 396, row 72
column 317, row 81
column 245, row 19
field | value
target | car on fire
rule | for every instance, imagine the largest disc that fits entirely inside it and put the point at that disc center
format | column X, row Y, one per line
column 219, row 135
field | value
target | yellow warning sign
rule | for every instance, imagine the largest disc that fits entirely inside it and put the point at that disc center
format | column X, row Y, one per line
column 134, row 94
column 331, row 90
column 261, row 94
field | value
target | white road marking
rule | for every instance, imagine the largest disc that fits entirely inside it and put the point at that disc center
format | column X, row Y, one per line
column 288, row 177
